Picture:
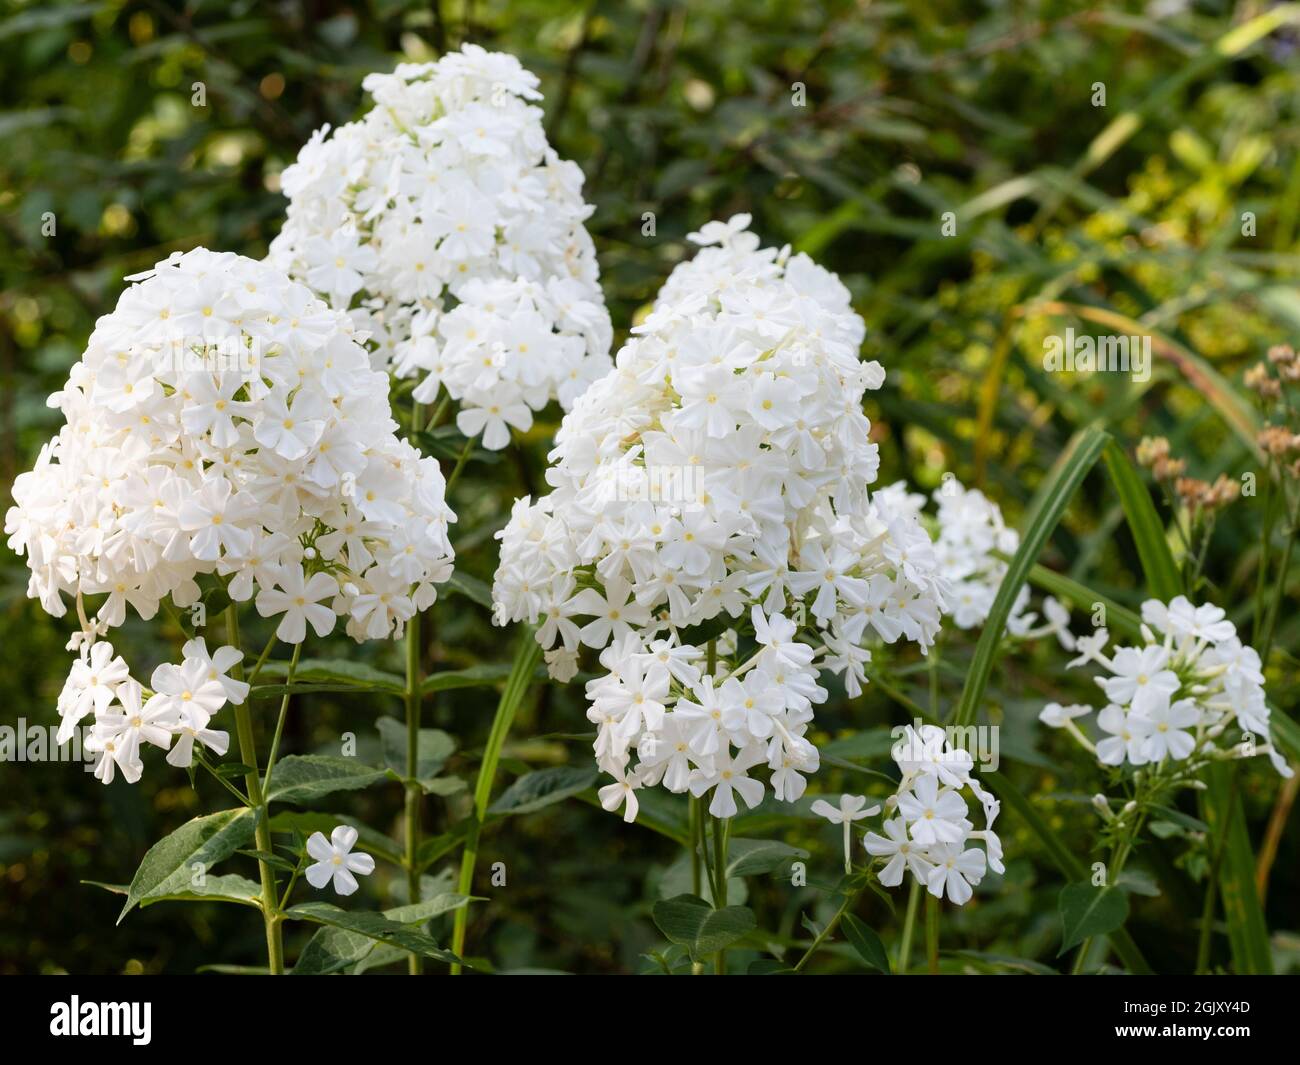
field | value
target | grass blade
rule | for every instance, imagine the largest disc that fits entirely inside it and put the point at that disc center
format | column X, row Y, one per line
column 1078, row 458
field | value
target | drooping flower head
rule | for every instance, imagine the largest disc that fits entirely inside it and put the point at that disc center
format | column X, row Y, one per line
column 714, row 486
column 453, row 232
column 224, row 427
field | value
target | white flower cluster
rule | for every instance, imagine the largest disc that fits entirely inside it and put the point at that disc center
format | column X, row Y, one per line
column 1190, row 694
column 180, row 706
column 968, row 528
column 930, row 832
column 698, row 732
column 720, row 472
column 455, row 235
column 224, row 425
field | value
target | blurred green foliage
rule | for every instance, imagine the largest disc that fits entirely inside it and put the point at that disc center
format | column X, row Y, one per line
column 688, row 111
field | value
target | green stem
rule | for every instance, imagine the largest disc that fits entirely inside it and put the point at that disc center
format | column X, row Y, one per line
column 521, row 675
column 1119, row 856
column 831, row 925
column 288, row 888
column 454, row 476
column 693, row 810
column 909, row 925
column 415, row 962
column 721, row 834
column 1212, row 879
column 261, row 659
column 1279, row 590
column 262, row 831
column 284, row 712
column 1265, row 546
column 932, row 933
column 198, row 758
column 439, row 412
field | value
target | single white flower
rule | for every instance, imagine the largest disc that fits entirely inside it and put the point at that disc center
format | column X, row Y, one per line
column 336, row 862
column 850, row 809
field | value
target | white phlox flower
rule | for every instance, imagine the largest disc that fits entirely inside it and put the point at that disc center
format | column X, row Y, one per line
column 453, row 234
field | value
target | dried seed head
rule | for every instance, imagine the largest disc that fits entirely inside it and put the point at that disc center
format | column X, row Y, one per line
column 1258, row 380
column 1152, row 449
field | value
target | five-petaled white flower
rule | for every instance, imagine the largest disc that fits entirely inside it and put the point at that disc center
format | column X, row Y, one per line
column 335, row 860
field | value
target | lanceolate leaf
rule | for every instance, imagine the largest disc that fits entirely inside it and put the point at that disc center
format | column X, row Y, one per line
column 228, row 888
column 470, row 587
column 1247, row 929
column 338, row 671
column 866, row 943
column 1119, row 619
column 480, row 676
column 756, row 857
column 372, row 925
column 1088, row 911
column 435, row 747
column 177, row 862
column 1162, row 577
column 542, row 788
column 302, row 778
column 334, row 948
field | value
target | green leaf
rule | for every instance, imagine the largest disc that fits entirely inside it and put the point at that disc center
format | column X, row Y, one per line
column 1162, row 576
column 1078, row 458
column 1247, row 929
column 867, row 944
column 542, row 788
column 303, row 778
column 993, row 963
column 435, row 747
column 373, row 926
column 168, row 868
column 485, row 675
column 333, row 949
column 228, row 888
column 755, row 857
column 271, row 859
column 1119, row 619
column 1088, row 912
column 690, row 922
column 470, row 587
column 353, row 674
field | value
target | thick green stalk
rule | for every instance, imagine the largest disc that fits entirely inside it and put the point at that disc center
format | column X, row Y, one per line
column 721, row 832
column 414, row 795
column 521, row 675
column 909, row 925
column 693, row 808
column 262, row 832
column 932, row 933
